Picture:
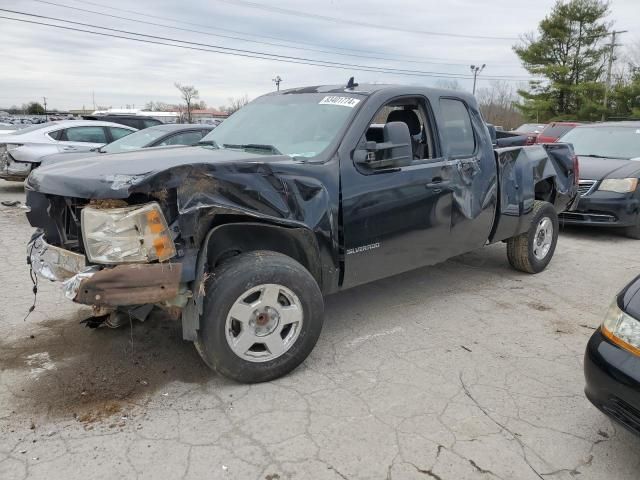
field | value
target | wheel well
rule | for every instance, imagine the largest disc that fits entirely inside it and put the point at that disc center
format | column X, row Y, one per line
column 232, row 239
column 545, row 190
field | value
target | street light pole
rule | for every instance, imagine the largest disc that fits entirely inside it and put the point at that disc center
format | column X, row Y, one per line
column 476, row 70
column 607, row 86
column 44, row 100
column 277, row 81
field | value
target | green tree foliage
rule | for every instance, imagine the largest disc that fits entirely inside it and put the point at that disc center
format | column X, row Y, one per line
column 625, row 96
column 569, row 51
column 34, row 108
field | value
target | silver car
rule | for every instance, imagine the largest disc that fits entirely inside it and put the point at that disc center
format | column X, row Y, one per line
column 21, row 151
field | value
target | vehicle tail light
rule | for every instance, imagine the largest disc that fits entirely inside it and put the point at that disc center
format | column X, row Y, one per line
column 576, row 170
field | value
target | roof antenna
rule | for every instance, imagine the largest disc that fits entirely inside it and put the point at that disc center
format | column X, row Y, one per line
column 352, row 83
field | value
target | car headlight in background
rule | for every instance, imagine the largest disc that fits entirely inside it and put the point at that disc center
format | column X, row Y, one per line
column 126, row 235
column 618, row 185
column 622, row 329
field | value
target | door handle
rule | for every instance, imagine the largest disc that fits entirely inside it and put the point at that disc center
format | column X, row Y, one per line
column 436, row 184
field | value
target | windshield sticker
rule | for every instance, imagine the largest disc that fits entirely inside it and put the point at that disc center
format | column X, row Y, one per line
column 342, row 101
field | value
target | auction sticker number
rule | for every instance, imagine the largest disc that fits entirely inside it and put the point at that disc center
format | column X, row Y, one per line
column 342, row 101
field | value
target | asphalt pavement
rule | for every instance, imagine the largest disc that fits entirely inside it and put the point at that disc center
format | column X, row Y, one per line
column 465, row 370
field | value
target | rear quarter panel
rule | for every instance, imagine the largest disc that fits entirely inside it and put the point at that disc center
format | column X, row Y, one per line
column 520, row 169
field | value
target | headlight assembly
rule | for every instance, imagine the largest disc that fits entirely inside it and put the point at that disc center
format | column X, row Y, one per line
column 618, row 185
column 622, row 329
column 126, row 235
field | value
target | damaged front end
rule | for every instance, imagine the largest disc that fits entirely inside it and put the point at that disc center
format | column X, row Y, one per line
column 110, row 255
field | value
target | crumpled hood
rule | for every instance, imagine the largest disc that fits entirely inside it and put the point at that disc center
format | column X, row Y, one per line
column 120, row 174
column 601, row 168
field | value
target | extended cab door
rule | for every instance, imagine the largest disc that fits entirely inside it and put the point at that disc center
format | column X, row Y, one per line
column 394, row 218
column 473, row 181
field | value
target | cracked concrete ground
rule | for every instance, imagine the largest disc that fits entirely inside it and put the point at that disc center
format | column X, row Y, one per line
column 466, row 370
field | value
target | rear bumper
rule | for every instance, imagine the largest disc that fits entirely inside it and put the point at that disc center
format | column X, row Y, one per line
column 604, row 209
column 12, row 170
column 613, row 381
column 131, row 284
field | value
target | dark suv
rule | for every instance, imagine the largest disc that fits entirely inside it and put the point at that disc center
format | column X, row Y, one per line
column 135, row 121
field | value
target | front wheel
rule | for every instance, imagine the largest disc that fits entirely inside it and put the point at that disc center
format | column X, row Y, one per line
column 262, row 316
column 532, row 250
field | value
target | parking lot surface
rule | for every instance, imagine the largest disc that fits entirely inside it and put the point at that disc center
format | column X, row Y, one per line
column 466, row 370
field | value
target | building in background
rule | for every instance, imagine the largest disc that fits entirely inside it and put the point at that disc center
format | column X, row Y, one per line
column 209, row 116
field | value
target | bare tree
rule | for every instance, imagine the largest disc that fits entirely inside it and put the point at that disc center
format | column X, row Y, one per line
column 236, row 103
column 498, row 104
column 189, row 93
column 159, row 107
column 632, row 55
column 449, row 84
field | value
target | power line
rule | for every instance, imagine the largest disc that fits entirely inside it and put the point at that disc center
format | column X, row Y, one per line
column 241, row 52
column 378, row 26
column 297, row 42
column 261, row 42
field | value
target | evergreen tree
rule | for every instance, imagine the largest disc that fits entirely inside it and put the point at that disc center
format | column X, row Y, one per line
column 569, row 51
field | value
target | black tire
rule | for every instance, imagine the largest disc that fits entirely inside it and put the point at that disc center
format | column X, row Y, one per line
column 520, row 249
column 231, row 280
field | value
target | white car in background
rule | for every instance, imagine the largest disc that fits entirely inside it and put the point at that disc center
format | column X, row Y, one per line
column 21, row 151
column 7, row 128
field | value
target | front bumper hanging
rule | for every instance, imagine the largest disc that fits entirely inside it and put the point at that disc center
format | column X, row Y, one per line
column 131, row 284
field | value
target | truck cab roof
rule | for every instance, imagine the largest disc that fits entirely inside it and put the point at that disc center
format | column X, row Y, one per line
column 368, row 89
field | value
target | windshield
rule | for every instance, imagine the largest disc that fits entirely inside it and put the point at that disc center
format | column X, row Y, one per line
column 134, row 141
column 298, row 125
column 610, row 142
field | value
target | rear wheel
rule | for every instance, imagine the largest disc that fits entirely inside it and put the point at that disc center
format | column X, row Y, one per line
column 532, row 250
column 263, row 314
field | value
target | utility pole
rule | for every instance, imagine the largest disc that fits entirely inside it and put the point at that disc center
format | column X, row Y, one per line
column 277, row 81
column 476, row 70
column 607, row 86
column 44, row 100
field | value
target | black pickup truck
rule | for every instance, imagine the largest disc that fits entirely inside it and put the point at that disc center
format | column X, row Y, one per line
column 300, row 194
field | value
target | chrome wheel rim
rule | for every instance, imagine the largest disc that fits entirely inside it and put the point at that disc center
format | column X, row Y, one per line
column 264, row 322
column 543, row 238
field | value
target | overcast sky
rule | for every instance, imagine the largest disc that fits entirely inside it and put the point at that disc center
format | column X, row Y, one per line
column 68, row 67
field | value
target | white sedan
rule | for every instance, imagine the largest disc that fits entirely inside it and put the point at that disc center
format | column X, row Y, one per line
column 21, row 151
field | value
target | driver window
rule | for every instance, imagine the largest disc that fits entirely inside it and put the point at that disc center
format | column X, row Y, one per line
column 413, row 112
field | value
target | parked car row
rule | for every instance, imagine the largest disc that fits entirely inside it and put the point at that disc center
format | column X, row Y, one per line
column 159, row 136
column 24, row 150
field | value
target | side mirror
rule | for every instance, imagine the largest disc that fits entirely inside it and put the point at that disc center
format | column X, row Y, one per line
column 396, row 150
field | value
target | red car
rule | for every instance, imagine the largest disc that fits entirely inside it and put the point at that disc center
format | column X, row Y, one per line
column 555, row 130
column 531, row 130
